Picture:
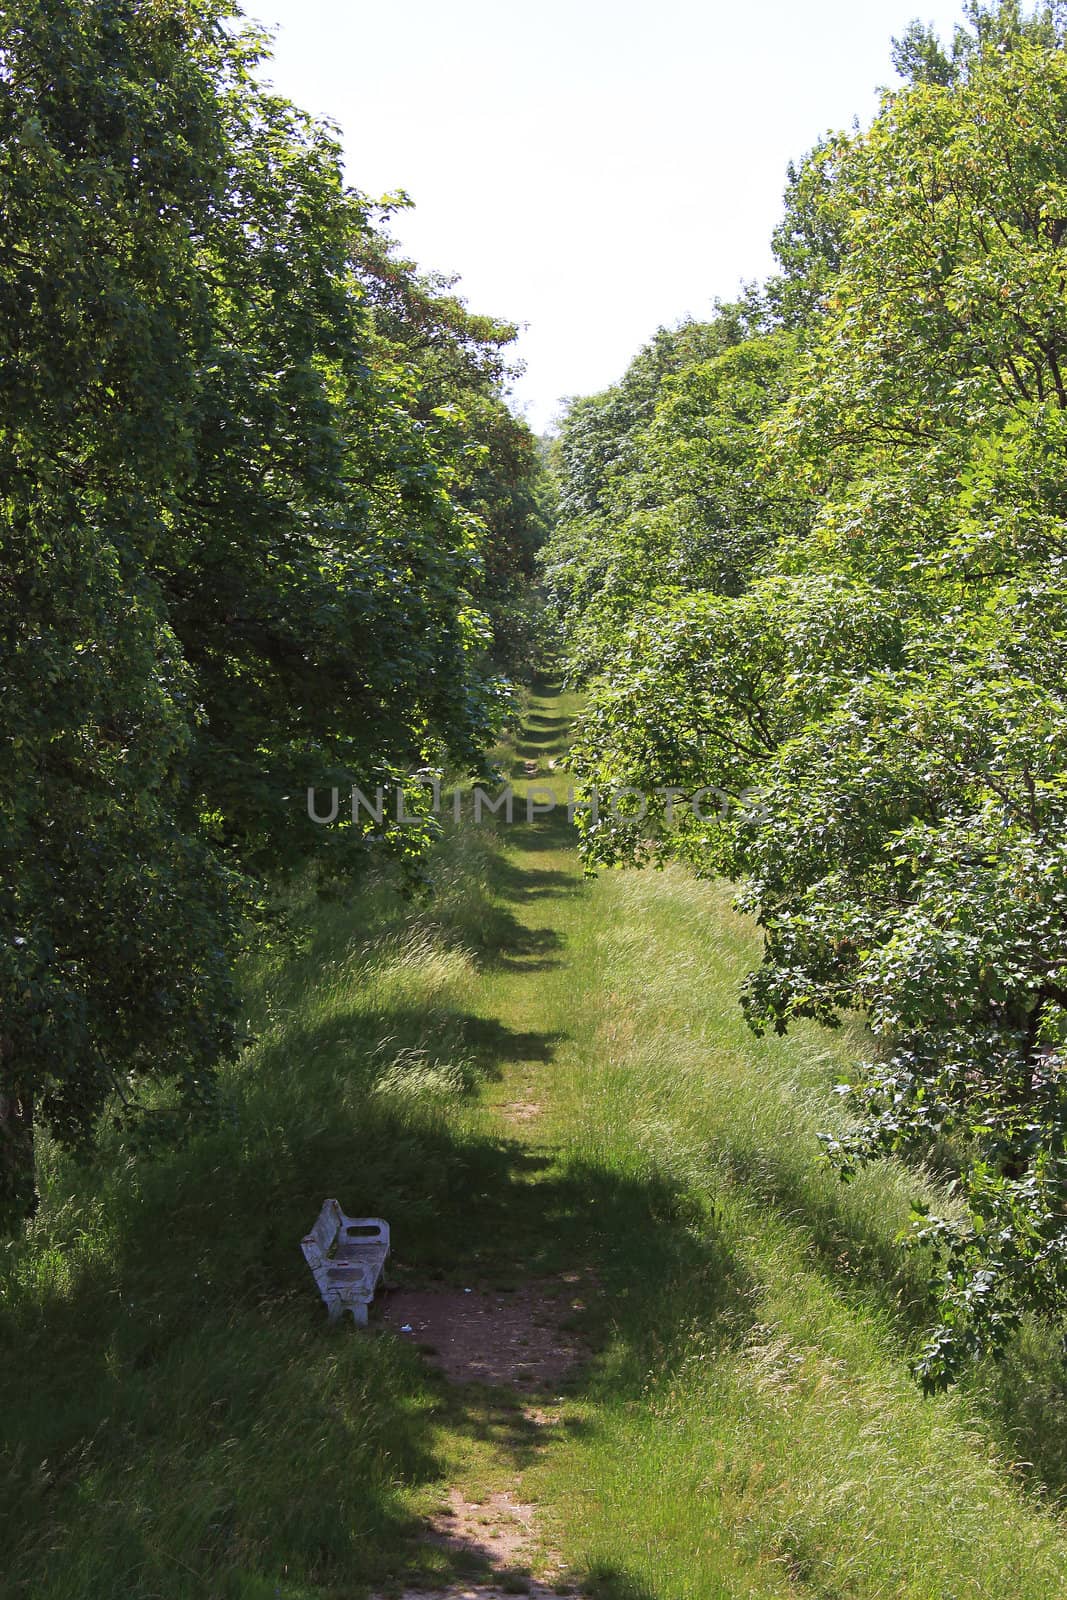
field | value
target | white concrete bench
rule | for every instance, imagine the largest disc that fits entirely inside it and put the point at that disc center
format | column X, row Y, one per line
column 346, row 1255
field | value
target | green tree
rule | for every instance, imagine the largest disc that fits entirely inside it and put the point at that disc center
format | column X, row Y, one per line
column 117, row 920
column 882, row 710
column 245, row 522
column 461, row 371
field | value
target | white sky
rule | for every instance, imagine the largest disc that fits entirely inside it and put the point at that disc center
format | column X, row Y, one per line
column 592, row 169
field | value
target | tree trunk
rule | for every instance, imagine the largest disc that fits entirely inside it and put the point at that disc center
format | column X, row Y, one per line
column 18, row 1173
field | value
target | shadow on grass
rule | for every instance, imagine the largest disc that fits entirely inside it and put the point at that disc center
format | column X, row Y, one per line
column 535, row 740
column 549, row 832
column 179, row 1417
column 522, row 884
column 1022, row 1401
column 538, row 719
column 398, row 1042
column 861, row 1262
column 178, row 1411
column 552, row 832
column 852, row 1251
column 493, row 1042
column 547, row 684
column 657, row 1262
column 506, row 943
column 543, row 733
column 605, row 1581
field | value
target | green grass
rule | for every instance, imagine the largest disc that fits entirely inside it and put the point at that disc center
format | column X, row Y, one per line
column 179, row 1419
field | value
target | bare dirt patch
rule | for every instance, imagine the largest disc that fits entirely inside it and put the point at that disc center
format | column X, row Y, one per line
column 522, row 1110
column 499, row 1528
column 540, row 1418
column 511, row 1338
column 535, row 1591
column 500, row 1531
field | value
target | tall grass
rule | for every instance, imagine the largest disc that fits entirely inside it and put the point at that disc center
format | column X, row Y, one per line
column 178, row 1417
column 752, row 1428
column 180, row 1420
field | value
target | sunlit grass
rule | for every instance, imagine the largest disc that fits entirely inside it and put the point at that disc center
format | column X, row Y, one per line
column 180, row 1420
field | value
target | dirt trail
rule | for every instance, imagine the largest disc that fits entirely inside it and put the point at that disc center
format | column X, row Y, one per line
column 513, row 1344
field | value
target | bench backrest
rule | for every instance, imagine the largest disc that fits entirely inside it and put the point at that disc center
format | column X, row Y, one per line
column 331, row 1222
column 367, row 1230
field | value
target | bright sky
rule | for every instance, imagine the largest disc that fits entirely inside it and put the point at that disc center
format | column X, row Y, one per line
column 593, row 169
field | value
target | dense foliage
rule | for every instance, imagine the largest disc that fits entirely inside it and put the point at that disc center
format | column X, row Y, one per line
column 819, row 569
column 261, row 502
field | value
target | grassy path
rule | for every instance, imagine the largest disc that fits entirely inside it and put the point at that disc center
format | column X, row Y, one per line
column 748, row 1427
column 545, row 1084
